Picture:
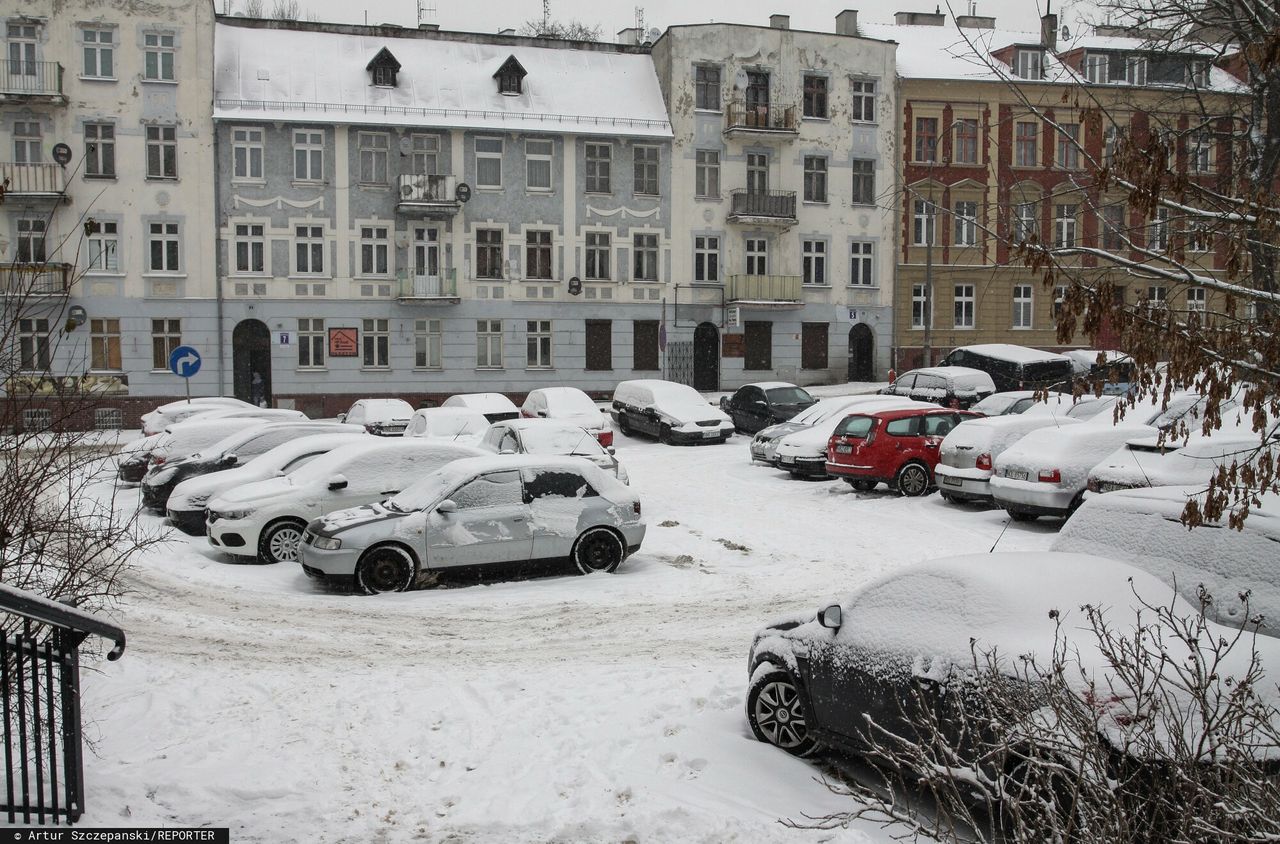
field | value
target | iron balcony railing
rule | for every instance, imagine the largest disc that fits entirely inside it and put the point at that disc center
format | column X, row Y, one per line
column 772, row 203
column 33, row 79
column 762, row 118
column 423, row 189
column 35, row 279
column 420, row 285
column 764, row 288
column 32, row 179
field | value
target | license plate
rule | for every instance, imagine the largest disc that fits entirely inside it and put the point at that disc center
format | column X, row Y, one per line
column 786, row 461
column 1015, row 475
column 844, row 449
column 706, row 435
column 950, row 481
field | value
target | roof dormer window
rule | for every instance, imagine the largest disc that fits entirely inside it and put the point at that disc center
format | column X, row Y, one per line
column 1029, row 64
column 511, row 77
column 383, row 69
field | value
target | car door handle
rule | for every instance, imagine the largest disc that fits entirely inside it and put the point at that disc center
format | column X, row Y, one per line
column 390, row 492
column 517, row 518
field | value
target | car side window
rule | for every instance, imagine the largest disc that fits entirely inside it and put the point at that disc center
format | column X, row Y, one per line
column 902, row 427
column 355, row 416
column 1021, row 405
column 557, row 483
column 904, row 383
column 299, row 462
column 492, row 490
column 938, row 424
column 509, row 442
column 492, row 437
column 266, row 442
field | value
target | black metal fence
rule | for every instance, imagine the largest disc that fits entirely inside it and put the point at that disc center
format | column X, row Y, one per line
column 40, row 679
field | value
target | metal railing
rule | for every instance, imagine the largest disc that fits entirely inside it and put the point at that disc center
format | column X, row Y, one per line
column 422, row 286
column 38, row 79
column 34, row 279
column 764, row 288
column 765, row 118
column 40, row 680
column 32, row 179
column 773, row 203
column 427, row 190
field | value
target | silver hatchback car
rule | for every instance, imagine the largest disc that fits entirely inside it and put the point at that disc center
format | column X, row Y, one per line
column 480, row 511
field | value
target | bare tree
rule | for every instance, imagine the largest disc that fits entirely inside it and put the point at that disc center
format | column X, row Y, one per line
column 572, row 30
column 286, row 10
column 254, row 9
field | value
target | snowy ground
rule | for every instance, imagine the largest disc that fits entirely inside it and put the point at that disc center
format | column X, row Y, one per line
column 601, row 708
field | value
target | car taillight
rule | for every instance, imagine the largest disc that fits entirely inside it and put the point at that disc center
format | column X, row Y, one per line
column 156, row 460
column 635, row 506
column 1113, row 706
column 984, row 461
column 526, row 414
column 1050, row 476
column 605, row 438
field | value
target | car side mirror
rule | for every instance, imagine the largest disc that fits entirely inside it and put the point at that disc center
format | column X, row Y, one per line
column 613, row 450
column 542, row 414
column 338, row 482
column 760, row 403
column 830, row 617
column 229, row 459
column 446, row 507
column 342, row 417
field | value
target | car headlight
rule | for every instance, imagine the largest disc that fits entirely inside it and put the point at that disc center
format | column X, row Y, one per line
column 235, row 514
column 326, row 543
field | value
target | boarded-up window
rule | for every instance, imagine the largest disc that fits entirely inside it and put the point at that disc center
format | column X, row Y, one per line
column 645, row 344
column 759, row 342
column 599, row 344
column 813, row 345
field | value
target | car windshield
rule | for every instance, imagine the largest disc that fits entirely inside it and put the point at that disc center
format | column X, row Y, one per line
column 1090, row 408
column 994, row 405
column 424, row 493
column 570, row 401
column 1177, row 408
column 855, row 426
column 553, row 439
column 787, row 395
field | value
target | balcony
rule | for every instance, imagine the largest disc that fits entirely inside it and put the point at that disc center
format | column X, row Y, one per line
column 763, row 208
column 32, row 180
column 421, row 289
column 23, row 81
column 760, row 121
column 26, row 280
column 765, row 291
column 429, row 197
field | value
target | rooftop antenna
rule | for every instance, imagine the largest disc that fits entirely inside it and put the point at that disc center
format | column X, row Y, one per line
column 426, row 12
column 546, row 15
column 640, row 20
column 973, row 8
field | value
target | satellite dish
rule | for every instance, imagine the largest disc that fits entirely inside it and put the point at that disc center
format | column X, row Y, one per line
column 1066, row 33
column 406, row 145
column 462, row 192
column 654, row 32
column 406, row 189
column 575, row 286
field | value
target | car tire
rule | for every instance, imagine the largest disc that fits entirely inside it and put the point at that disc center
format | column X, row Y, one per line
column 913, row 480
column 384, row 569
column 664, row 435
column 598, row 549
column 279, row 541
column 624, row 427
column 862, row 485
column 1022, row 517
column 776, row 714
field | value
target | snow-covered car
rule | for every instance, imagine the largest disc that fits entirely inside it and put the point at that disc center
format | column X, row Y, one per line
column 455, row 424
column 547, row 438
column 949, row 386
column 1144, row 528
column 1014, row 367
column 569, row 404
column 183, row 438
column 1005, row 404
column 1146, row 461
column 266, row 519
column 494, row 406
column 1114, row 372
column 1045, row 472
column 186, row 507
column 803, row 452
column 484, row 511
column 754, row 407
column 381, row 417
column 673, row 413
column 764, row 445
column 177, row 411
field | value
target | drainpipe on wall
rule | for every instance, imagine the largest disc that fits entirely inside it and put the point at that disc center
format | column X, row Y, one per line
column 217, row 265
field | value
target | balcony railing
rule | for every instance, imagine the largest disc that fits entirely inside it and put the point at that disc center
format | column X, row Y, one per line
column 775, row 289
column 20, row 78
column 428, row 194
column 32, row 179
column 420, row 286
column 774, row 204
column 42, row 279
column 740, row 116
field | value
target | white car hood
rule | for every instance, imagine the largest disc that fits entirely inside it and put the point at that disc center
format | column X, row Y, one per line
column 227, row 480
column 808, row 441
column 255, row 493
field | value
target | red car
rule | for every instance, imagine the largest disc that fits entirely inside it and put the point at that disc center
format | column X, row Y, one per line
column 899, row 447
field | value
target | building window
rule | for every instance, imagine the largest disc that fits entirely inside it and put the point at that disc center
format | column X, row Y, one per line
column 488, row 253
column 308, row 155
column 1095, row 68
column 926, row 139
column 1113, row 226
column 489, row 162
column 33, row 345
column 1111, row 140
column 864, row 101
column 1028, row 64
column 374, row 148
column 1135, row 70
column 162, row 152
column 599, row 255
column 538, row 344
column 1158, row 231
column 376, row 342
column 166, row 335
column 966, row 219
column 537, row 164
column 1195, row 300
column 246, row 154
column 965, row 148
column 489, row 343
column 864, row 181
column 706, row 86
column 1022, row 306
column 706, row 259
column 1198, row 237
column 814, row 261
column 309, row 250
column 758, row 340
column 158, row 51
column 757, row 256
column 1069, row 146
column 311, row 343
column 1064, row 226
column 644, row 345
column 31, row 240
column 919, row 305
column 1024, row 144
column 1200, row 153
column 104, row 345
column 706, row 182
column 923, row 221
column 104, row 247
column 99, row 53
column 374, row 250
column 1157, row 296
column 757, row 172
column 813, row 345
column 537, row 254
column 100, row 150
column 163, row 248
column 815, row 96
column 28, row 144
column 1059, row 299
column 424, row 153
column 251, row 248
column 964, row 306
column 815, row 178
column 862, row 263
column 646, row 170
column 384, row 75
column 645, row 249
column 599, row 345
column 1026, row 223
column 428, row 343
column 22, row 48
column 599, row 159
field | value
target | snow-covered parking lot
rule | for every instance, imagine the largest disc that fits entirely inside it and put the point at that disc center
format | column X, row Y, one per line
column 599, row 708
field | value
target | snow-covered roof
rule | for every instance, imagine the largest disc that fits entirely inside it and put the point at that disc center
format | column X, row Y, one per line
column 312, row 74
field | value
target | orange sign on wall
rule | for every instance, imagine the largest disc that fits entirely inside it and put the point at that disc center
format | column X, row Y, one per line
column 344, row 343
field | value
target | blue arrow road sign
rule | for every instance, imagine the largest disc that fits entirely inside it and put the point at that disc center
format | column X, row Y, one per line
column 184, row 361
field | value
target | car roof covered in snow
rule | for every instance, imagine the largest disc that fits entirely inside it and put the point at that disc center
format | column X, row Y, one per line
column 483, row 402
column 1012, row 353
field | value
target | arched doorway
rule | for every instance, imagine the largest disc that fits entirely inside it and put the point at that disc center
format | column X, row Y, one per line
column 706, row 357
column 250, row 357
column 862, row 353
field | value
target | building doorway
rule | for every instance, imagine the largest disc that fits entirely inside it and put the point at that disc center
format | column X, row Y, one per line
column 251, row 362
column 862, row 351
column 706, row 357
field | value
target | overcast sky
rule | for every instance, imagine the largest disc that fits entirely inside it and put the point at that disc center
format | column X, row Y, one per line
column 612, row 15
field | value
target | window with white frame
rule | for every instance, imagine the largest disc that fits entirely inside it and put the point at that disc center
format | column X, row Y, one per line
column 706, row 178
column 644, row 248
column 1157, row 296
column 374, row 151
column 1196, row 300
column 926, row 138
column 645, row 160
column 157, row 57
column 814, row 261
column 251, row 248
column 22, row 38
column 428, row 344
column 104, row 345
column 311, row 343
column 1069, row 146
column 489, row 162
column 375, row 248
column 166, row 335
column 489, row 260
column 599, row 160
column 1198, row 236
column 864, row 100
column 1029, row 64
column 1064, row 225
column 376, row 343
column 537, row 254
column 923, row 221
column 1112, row 137
column 538, row 343
column 28, row 143
column 966, row 223
column 246, row 154
column 1026, row 141
column 30, row 248
column 1059, row 299
column 308, row 249
column 815, row 178
column 1096, row 68
column 757, row 256
column 33, row 345
column 864, row 181
column 308, row 155
column 489, row 343
column 1113, row 226
column 98, row 49
column 1158, row 231
column 537, row 163
column 706, row 259
column 1022, row 305
column 599, row 256
column 424, row 155
column 104, row 247
column 964, row 303
column 100, row 150
column 1136, row 70
column 964, row 148
column 919, row 306
column 1200, row 152
column 1026, row 222
column 164, row 247
column 162, row 152
column 862, row 255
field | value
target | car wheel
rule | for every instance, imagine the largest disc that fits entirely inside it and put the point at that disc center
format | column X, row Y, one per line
column 1022, row 517
column 912, row 480
column 279, row 542
column 624, row 427
column 664, row 434
column 598, row 549
column 862, row 485
column 777, row 716
column 385, row 569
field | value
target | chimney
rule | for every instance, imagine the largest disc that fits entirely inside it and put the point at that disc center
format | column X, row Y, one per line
column 1049, row 30
column 975, row 22
column 935, row 18
column 847, row 22
column 780, row 21
column 630, row 35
